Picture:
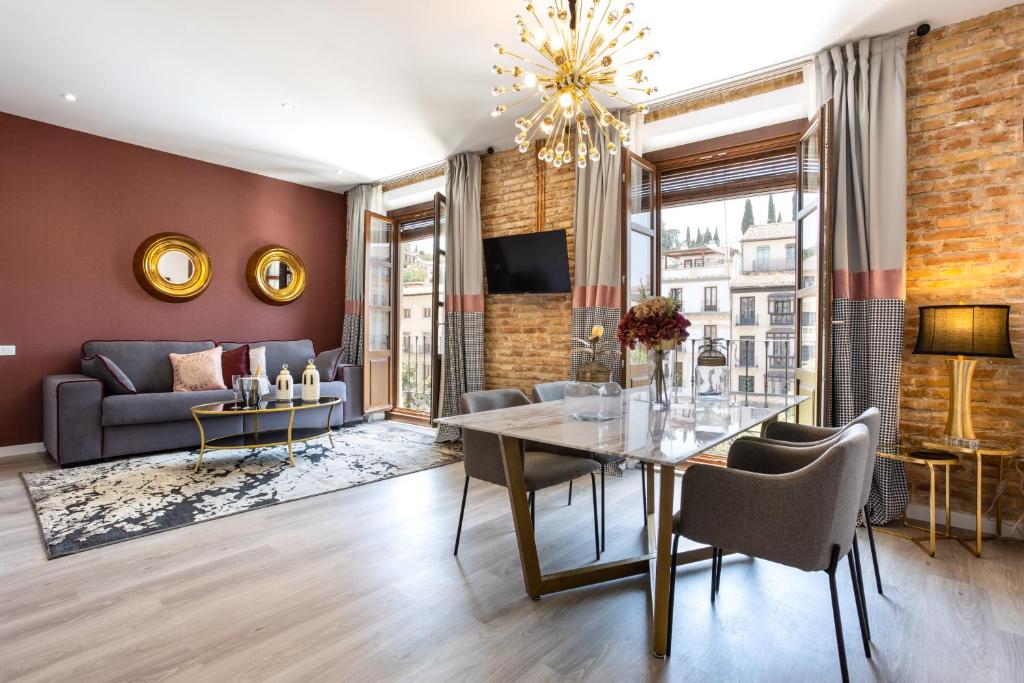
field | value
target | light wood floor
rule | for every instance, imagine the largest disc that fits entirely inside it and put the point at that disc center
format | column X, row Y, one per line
column 361, row 585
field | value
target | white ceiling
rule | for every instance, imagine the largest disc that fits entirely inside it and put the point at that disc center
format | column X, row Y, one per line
column 377, row 87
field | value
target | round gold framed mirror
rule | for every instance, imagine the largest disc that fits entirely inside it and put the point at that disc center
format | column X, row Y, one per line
column 172, row 267
column 276, row 275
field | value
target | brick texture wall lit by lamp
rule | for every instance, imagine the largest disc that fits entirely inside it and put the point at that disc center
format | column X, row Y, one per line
column 965, row 225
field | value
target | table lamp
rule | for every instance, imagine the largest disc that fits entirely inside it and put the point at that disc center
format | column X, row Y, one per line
column 967, row 332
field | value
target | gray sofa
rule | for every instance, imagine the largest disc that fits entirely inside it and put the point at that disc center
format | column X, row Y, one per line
column 81, row 423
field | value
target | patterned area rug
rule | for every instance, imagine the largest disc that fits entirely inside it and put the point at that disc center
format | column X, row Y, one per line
column 87, row 507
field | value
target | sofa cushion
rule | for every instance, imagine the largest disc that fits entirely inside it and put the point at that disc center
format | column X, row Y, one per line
column 234, row 362
column 168, row 406
column 105, row 370
column 146, row 363
column 295, row 353
column 199, row 371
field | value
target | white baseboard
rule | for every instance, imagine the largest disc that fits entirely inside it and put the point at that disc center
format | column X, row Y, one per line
column 22, row 449
column 961, row 520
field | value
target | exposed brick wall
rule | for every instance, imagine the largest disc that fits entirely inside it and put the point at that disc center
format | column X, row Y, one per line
column 965, row 224
column 526, row 337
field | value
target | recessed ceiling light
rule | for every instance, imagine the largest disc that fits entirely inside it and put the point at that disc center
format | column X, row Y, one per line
column 339, row 172
column 287, row 105
column 69, row 96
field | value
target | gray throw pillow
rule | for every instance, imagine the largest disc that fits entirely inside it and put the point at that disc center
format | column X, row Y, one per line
column 105, row 370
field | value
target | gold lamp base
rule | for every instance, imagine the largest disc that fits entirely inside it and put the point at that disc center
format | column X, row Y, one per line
column 959, row 427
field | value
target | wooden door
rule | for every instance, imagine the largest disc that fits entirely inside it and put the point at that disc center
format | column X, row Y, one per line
column 440, row 216
column 814, row 268
column 640, row 274
column 379, row 295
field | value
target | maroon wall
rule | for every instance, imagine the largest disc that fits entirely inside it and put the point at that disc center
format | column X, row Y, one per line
column 73, row 209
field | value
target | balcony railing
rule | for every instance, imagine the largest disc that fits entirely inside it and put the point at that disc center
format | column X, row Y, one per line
column 771, row 265
column 709, row 308
column 416, row 362
column 746, row 320
column 781, row 318
column 777, row 362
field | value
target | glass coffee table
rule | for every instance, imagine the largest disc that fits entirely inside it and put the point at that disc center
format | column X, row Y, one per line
column 262, row 439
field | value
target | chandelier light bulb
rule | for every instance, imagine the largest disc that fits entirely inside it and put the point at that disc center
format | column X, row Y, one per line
column 577, row 64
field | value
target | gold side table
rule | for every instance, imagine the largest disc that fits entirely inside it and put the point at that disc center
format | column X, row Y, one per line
column 930, row 459
column 985, row 449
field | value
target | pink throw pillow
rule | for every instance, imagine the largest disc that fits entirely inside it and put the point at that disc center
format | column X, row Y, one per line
column 198, row 371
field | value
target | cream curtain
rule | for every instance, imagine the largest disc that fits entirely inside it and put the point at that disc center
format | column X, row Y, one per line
column 360, row 199
column 463, row 360
column 597, row 290
column 866, row 82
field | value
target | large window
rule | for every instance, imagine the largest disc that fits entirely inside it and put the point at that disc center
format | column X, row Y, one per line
column 727, row 238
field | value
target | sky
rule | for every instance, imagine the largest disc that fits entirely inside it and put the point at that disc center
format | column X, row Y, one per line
column 725, row 215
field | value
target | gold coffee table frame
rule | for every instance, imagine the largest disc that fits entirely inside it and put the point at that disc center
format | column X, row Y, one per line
column 984, row 449
column 917, row 457
column 252, row 440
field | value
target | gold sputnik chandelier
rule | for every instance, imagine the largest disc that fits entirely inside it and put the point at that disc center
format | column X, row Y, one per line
column 581, row 59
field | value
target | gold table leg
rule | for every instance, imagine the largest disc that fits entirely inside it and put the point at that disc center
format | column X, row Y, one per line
column 977, row 532
column 663, row 560
column 999, row 499
column 330, row 430
column 291, row 419
column 512, row 459
column 656, row 564
column 202, row 442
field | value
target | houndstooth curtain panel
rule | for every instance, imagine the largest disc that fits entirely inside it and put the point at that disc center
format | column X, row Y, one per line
column 463, row 362
column 866, row 82
column 597, row 291
column 361, row 199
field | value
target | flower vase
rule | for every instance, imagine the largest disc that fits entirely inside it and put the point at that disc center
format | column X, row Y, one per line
column 661, row 376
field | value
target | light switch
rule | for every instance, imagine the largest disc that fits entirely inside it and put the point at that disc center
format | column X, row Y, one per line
column 6, row 350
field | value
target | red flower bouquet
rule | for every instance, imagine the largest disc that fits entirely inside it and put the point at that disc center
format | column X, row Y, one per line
column 655, row 322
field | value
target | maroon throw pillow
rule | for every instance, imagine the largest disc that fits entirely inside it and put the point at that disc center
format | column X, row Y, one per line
column 235, row 362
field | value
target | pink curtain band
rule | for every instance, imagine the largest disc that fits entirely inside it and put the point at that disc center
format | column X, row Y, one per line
column 464, row 303
column 353, row 307
column 602, row 296
column 867, row 285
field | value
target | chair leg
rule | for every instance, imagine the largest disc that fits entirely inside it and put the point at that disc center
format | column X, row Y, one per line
column 718, row 571
column 643, row 489
column 714, row 572
column 597, row 537
column 570, row 494
column 462, row 513
column 857, row 598
column 831, row 571
column 860, row 584
column 602, row 508
column 874, row 554
column 672, row 594
column 533, row 509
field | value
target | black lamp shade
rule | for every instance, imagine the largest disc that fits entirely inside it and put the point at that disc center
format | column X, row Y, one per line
column 965, row 330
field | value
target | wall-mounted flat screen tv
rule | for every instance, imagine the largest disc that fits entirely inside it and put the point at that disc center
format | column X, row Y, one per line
column 534, row 263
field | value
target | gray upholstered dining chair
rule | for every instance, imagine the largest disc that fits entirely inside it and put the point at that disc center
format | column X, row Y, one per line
column 555, row 391
column 795, row 433
column 803, row 517
column 543, row 466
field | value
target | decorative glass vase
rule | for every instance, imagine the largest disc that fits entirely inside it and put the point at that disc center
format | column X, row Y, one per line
column 661, row 375
column 593, row 401
column 711, row 381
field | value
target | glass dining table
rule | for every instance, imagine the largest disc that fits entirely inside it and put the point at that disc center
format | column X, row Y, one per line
column 664, row 440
